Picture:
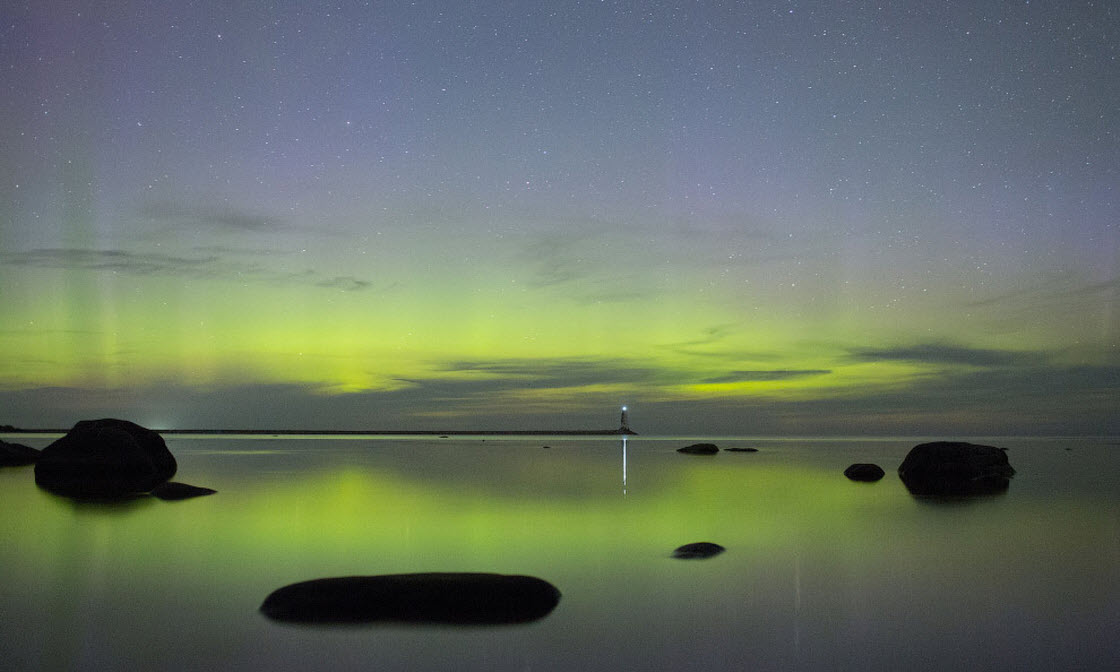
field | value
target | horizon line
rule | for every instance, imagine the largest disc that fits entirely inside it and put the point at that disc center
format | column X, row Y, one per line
column 358, row 432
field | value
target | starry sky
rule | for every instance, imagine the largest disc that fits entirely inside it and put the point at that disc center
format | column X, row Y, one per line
column 736, row 217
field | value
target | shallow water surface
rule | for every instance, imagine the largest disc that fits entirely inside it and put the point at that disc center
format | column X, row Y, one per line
column 819, row 572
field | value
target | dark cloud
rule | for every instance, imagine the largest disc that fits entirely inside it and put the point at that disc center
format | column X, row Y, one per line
column 766, row 375
column 939, row 353
column 146, row 263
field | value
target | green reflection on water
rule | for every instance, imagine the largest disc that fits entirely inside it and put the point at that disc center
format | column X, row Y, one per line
column 554, row 515
column 510, row 510
column 807, row 549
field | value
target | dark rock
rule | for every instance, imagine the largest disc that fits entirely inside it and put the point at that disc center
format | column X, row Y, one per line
column 17, row 454
column 172, row 491
column 699, row 449
column 99, row 459
column 741, row 450
column 439, row 598
column 698, row 550
column 955, row 468
column 864, row 472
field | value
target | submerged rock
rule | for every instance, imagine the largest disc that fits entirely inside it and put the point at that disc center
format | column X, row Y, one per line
column 700, row 449
column 107, row 458
column 741, row 450
column 954, row 468
column 436, row 598
column 867, row 473
column 172, row 491
column 17, row 454
column 698, row 550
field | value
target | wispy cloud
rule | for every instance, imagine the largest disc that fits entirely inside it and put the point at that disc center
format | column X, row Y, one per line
column 760, row 376
column 154, row 264
column 555, row 261
column 1074, row 400
column 561, row 372
column 1110, row 285
column 574, row 373
column 118, row 261
column 214, row 217
column 346, row 283
column 1054, row 289
column 708, row 336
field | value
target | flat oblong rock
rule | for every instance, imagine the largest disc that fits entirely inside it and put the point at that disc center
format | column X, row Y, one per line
column 700, row 449
column 173, row 491
column 698, row 550
column 432, row 598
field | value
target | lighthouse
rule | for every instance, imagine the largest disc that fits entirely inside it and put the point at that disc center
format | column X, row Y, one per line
column 625, row 421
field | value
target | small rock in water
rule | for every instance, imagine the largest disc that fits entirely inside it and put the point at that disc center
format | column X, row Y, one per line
column 699, row 449
column 173, row 491
column 698, row 550
column 741, row 450
column 867, row 473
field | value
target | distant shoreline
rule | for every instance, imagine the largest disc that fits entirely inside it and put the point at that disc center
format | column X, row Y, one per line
column 364, row 432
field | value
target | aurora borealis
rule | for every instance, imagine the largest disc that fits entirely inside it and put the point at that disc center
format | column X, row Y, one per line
column 736, row 217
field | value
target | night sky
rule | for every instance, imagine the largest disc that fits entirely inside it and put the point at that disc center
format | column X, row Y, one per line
column 735, row 217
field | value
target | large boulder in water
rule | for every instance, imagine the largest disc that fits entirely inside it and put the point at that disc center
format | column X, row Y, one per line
column 955, row 468
column 106, row 458
column 435, row 598
column 17, row 454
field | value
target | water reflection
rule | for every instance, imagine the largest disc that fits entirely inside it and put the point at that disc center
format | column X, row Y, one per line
column 624, row 465
column 106, row 507
column 951, row 501
column 821, row 572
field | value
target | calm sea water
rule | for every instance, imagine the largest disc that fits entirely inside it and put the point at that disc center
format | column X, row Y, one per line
column 820, row 573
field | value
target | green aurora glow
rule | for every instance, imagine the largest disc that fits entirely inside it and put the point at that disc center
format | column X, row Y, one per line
column 780, row 222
